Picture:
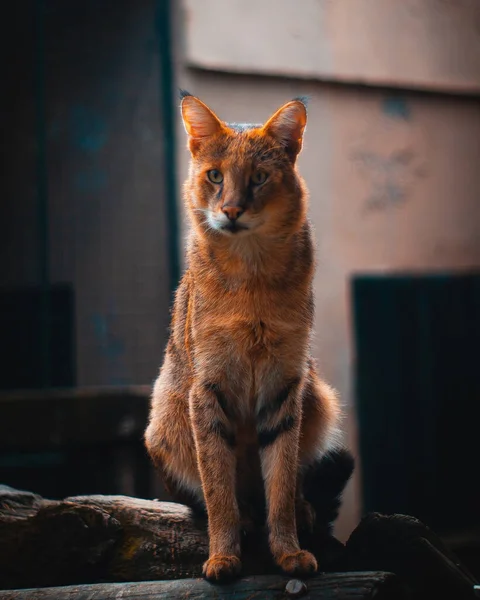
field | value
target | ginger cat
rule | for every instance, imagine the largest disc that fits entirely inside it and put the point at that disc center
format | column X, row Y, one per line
column 238, row 410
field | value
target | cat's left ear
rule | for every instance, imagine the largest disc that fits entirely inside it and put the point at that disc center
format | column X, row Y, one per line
column 287, row 126
column 199, row 121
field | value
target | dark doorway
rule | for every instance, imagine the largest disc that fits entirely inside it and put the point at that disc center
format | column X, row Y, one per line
column 418, row 396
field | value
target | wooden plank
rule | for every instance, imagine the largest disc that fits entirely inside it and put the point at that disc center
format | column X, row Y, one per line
column 57, row 418
column 332, row 586
column 427, row 44
column 86, row 392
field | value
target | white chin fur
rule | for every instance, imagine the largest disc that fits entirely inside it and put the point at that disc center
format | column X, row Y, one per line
column 220, row 224
column 217, row 223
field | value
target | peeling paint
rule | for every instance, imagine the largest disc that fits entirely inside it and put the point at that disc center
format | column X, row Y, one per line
column 396, row 107
column 389, row 156
column 388, row 177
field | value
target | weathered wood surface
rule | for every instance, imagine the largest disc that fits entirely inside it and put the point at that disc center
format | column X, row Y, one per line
column 60, row 417
column 94, row 538
column 87, row 539
column 407, row 547
column 333, row 586
column 90, row 539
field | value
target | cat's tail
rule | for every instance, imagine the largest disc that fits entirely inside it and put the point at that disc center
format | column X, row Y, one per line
column 324, row 484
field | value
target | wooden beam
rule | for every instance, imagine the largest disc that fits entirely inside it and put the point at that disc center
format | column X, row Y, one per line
column 63, row 417
column 332, row 586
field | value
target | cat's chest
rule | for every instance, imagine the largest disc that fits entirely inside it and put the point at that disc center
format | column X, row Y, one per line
column 253, row 327
column 268, row 334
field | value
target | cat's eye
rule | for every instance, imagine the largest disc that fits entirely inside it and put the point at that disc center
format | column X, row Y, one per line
column 259, row 177
column 215, row 176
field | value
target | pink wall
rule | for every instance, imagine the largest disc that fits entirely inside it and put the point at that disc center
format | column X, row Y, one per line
column 394, row 180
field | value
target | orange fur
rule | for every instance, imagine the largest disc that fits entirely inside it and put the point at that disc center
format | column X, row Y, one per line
column 238, row 408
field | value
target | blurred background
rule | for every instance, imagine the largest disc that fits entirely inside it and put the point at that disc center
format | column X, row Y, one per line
column 92, row 229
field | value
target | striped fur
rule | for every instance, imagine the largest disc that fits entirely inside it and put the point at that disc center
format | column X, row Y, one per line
column 238, row 410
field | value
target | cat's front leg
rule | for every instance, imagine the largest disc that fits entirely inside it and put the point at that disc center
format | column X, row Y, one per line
column 215, row 441
column 278, row 426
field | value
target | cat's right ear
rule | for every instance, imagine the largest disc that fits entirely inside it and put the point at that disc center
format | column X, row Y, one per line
column 199, row 121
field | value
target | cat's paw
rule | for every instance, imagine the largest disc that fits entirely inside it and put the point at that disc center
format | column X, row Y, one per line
column 305, row 516
column 220, row 568
column 298, row 563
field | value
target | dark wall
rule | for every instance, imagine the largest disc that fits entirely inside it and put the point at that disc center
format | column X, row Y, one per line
column 81, row 112
column 417, row 387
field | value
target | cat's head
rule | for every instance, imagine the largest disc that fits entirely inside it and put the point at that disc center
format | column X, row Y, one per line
column 243, row 178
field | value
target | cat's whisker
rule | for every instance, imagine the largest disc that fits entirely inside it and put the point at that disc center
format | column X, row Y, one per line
column 208, row 226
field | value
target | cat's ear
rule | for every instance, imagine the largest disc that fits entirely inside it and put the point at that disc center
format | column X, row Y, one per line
column 199, row 121
column 287, row 126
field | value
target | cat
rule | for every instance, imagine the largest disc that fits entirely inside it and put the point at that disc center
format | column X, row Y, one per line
column 238, row 411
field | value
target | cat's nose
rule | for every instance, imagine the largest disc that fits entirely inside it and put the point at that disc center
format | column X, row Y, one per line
column 232, row 212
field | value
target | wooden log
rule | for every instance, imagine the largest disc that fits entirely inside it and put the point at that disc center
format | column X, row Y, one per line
column 90, row 539
column 96, row 538
column 335, row 586
column 87, row 539
column 404, row 545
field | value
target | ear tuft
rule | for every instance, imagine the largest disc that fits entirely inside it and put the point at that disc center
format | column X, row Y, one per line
column 199, row 121
column 183, row 93
column 287, row 126
column 303, row 99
